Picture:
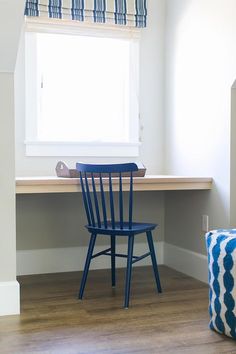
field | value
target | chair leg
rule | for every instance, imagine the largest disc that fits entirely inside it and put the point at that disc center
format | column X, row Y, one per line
column 129, row 270
column 154, row 261
column 113, row 260
column 87, row 264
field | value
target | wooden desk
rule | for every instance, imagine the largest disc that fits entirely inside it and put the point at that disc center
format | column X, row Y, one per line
column 31, row 185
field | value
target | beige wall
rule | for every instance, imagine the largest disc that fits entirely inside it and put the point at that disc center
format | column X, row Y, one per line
column 57, row 221
column 11, row 19
column 7, row 185
column 10, row 27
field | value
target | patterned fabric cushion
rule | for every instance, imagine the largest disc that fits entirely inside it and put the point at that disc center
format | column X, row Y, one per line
column 221, row 248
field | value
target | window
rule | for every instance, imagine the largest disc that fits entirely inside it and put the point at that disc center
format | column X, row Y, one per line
column 81, row 92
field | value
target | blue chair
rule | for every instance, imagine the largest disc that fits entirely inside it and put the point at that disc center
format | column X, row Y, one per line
column 94, row 180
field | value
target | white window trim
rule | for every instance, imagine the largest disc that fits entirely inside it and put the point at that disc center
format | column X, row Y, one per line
column 45, row 25
column 96, row 149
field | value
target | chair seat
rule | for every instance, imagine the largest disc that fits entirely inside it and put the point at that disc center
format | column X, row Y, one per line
column 137, row 228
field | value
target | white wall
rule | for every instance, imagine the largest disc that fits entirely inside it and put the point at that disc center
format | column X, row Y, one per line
column 151, row 103
column 200, row 70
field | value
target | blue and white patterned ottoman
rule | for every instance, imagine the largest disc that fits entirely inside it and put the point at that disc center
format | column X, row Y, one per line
column 221, row 248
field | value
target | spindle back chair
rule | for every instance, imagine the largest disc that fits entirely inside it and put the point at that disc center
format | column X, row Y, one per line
column 106, row 216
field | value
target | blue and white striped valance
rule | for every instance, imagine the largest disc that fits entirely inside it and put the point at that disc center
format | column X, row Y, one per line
column 120, row 12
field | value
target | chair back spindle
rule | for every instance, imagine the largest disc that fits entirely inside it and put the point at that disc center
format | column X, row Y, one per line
column 113, row 221
column 85, row 201
column 121, row 201
column 96, row 202
column 103, row 201
column 90, row 205
column 131, row 201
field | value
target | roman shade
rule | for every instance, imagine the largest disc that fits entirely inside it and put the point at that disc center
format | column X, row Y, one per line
column 120, row 12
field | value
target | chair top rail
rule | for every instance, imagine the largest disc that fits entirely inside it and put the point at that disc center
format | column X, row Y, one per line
column 106, row 168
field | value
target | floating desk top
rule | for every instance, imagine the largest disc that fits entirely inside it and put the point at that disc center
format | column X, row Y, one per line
column 31, row 185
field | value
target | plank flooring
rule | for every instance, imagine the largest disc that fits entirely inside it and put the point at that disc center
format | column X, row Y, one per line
column 52, row 320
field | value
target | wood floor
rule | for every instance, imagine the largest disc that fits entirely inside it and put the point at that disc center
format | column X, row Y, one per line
column 54, row 321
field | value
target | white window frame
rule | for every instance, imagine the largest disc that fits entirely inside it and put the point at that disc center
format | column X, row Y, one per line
column 34, row 147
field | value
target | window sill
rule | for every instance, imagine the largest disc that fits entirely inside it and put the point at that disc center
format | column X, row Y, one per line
column 93, row 149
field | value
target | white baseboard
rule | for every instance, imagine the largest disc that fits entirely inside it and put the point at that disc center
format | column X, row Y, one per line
column 9, row 298
column 55, row 260
column 185, row 261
